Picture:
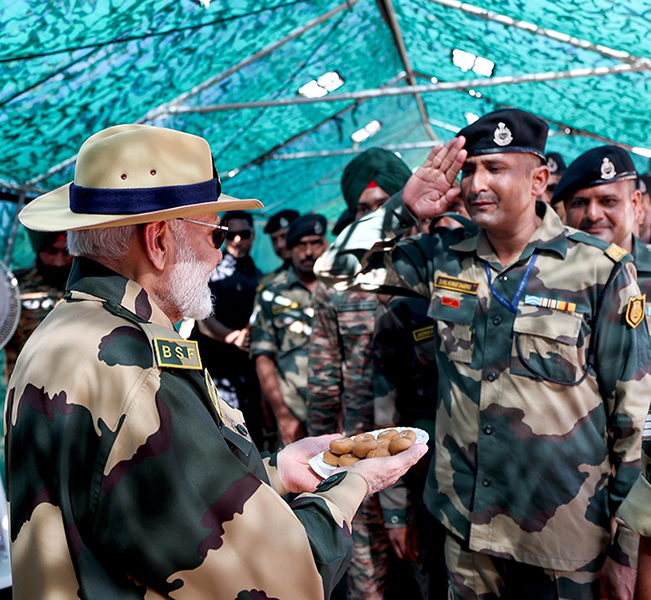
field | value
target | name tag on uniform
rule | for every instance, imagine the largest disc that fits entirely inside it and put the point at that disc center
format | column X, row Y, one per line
column 180, row 354
column 424, row 333
column 455, row 284
column 351, row 306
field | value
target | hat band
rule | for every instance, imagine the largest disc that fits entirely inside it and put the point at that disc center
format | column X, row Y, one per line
column 507, row 149
column 133, row 201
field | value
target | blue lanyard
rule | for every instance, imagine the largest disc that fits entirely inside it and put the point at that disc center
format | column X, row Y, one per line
column 513, row 305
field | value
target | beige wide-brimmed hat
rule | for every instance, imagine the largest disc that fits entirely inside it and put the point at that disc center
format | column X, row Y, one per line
column 131, row 174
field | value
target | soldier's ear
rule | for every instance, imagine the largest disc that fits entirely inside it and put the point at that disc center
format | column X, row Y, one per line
column 539, row 179
column 159, row 243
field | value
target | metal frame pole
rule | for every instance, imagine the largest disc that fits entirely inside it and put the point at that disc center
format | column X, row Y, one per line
column 404, row 57
column 423, row 89
column 494, row 17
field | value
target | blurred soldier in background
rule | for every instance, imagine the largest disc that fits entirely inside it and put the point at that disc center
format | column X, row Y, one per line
column 281, row 332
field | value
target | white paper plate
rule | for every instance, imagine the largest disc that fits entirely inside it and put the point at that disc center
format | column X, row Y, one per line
column 323, row 469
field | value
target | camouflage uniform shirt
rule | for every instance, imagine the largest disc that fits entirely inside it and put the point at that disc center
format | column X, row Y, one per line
column 37, row 299
column 281, row 331
column 129, row 478
column 527, row 467
column 341, row 362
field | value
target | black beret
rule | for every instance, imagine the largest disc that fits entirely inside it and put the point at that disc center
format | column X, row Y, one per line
column 305, row 225
column 377, row 165
column 604, row 164
column 555, row 163
column 342, row 222
column 280, row 220
column 506, row 130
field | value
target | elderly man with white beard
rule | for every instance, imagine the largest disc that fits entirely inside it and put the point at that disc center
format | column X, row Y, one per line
column 128, row 477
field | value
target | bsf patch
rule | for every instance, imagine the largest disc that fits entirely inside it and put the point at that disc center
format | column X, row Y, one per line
column 635, row 310
column 180, row 354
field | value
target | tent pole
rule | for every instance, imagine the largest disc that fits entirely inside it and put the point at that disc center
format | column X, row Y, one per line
column 164, row 109
column 267, row 155
column 404, row 57
column 346, row 151
column 488, row 15
column 422, row 89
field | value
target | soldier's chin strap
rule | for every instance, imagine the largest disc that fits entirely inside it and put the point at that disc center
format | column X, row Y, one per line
column 592, row 349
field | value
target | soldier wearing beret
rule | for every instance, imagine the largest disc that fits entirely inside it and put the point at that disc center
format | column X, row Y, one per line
column 543, row 356
column 277, row 228
column 41, row 287
column 602, row 197
column 281, row 332
column 127, row 475
column 340, row 390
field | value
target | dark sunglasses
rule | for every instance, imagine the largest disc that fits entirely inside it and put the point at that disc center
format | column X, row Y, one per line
column 219, row 232
column 245, row 234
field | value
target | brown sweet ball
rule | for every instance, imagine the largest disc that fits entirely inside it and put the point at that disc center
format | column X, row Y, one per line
column 361, row 449
column 409, row 434
column 341, row 446
column 330, row 458
column 383, row 443
column 347, row 459
column 400, row 444
column 362, row 437
column 379, row 452
column 388, row 434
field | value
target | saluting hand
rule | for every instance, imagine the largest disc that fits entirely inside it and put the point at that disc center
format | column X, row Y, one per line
column 429, row 190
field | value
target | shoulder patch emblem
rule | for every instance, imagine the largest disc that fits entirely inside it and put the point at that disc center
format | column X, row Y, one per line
column 616, row 252
column 635, row 310
column 179, row 354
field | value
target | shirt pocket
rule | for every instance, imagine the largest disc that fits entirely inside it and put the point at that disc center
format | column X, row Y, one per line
column 293, row 329
column 548, row 343
column 453, row 314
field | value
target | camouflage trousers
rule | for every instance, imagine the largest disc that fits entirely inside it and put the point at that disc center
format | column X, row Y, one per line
column 369, row 569
column 480, row 576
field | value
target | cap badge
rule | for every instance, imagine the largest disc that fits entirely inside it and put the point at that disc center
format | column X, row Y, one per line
column 608, row 170
column 502, row 135
column 552, row 165
column 283, row 222
column 318, row 228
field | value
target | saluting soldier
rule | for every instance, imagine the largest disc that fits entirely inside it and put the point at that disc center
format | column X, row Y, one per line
column 340, row 390
column 127, row 476
column 543, row 357
column 281, row 332
column 602, row 197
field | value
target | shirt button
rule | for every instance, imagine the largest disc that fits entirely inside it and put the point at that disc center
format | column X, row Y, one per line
column 491, row 376
column 485, row 482
column 497, row 320
column 488, row 429
column 241, row 429
column 505, row 278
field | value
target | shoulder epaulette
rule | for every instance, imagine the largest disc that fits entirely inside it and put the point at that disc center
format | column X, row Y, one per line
column 612, row 251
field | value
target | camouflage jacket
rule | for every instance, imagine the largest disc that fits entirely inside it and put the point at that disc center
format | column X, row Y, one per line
column 340, row 368
column 527, row 465
column 281, row 331
column 37, row 299
column 129, row 478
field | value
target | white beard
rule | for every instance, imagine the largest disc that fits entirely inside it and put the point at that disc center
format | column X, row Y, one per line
column 188, row 283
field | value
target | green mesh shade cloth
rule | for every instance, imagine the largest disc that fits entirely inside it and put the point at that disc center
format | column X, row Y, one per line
column 72, row 67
